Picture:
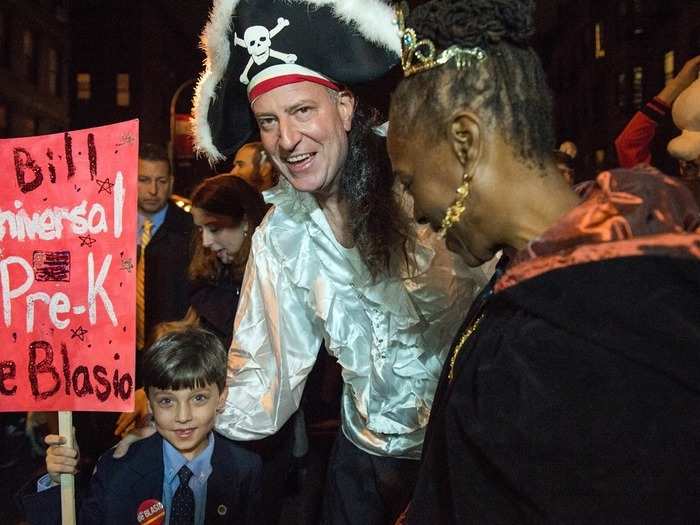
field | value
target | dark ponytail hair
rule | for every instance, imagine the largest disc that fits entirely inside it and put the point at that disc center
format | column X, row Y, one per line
column 231, row 197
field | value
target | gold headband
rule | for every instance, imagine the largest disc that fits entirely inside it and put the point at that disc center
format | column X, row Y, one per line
column 420, row 55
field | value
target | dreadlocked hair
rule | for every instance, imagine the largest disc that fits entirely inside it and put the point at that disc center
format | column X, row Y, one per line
column 379, row 225
column 508, row 89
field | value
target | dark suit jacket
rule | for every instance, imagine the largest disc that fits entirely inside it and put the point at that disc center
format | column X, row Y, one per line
column 119, row 486
column 167, row 258
column 216, row 304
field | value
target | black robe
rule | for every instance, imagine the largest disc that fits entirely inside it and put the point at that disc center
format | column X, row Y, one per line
column 576, row 400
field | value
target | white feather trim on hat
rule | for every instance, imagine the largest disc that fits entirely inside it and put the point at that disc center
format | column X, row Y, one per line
column 215, row 43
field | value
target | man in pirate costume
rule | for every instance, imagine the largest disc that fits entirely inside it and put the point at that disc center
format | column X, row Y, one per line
column 572, row 392
column 336, row 259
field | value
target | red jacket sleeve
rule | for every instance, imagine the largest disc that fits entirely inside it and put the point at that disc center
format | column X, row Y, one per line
column 632, row 144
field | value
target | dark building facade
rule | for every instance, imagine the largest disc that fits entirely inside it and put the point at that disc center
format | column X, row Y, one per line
column 34, row 57
column 606, row 58
column 129, row 60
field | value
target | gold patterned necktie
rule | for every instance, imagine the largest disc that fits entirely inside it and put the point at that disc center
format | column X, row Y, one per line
column 141, row 286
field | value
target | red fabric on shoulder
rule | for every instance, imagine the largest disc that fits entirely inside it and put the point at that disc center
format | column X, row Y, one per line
column 632, row 144
column 623, row 213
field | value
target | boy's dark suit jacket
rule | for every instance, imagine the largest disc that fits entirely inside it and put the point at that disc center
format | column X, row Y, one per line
column 119, row 486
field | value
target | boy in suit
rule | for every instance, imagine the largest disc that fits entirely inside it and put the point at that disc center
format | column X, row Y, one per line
column 196, row 475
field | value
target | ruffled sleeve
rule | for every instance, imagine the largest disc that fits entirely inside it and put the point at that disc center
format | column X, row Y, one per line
column 443, row 289
column 265, row 380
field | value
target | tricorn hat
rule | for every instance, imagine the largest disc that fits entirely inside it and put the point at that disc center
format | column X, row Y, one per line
column 253, row 46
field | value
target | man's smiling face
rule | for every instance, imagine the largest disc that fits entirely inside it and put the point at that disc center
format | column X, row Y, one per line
column 304, row 127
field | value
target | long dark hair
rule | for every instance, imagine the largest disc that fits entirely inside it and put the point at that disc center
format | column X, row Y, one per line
column 380, row 227
column 234, row 198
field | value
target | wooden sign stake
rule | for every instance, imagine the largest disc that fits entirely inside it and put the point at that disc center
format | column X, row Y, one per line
column 65, row 429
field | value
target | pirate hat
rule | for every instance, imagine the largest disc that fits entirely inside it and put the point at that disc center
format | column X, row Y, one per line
column 253, row 46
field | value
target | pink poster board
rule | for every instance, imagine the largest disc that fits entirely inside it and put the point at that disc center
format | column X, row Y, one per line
column 68, row 270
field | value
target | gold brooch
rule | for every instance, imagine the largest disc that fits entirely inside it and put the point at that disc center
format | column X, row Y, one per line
column 421, row 55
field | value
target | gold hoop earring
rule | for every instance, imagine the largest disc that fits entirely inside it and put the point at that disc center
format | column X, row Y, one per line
column 456, row 209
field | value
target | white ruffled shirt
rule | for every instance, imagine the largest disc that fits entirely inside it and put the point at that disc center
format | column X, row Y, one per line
column 390, row 337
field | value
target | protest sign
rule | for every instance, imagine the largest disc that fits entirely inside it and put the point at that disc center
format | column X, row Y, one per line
column 68, row 270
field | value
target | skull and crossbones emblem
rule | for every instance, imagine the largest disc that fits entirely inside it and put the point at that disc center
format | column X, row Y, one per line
column 258, row 40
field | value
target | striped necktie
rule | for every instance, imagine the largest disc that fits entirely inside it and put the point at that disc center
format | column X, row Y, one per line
column 141, row 286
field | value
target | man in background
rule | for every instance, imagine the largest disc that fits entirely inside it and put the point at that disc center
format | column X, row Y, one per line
column 164, row 232
column 253, row 166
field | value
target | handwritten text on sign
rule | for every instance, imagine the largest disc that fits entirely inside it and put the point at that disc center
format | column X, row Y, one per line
column 67, row 269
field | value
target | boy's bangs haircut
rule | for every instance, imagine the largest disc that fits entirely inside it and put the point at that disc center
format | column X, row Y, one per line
column 185, row 358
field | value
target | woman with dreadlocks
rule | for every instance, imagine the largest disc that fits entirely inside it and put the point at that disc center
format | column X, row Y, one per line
column 572, row 391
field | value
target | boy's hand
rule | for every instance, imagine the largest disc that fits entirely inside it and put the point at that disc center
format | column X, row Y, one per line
column 135, row 435
column 59, row 458
column 140, row 417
